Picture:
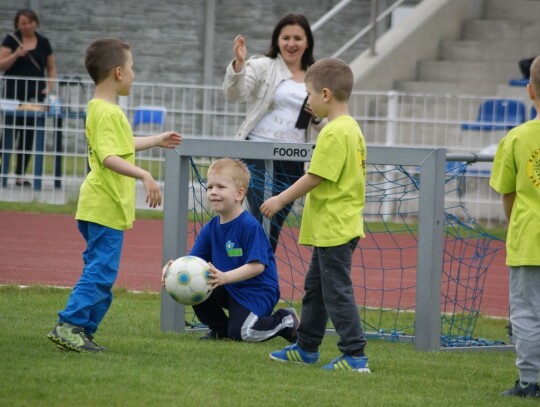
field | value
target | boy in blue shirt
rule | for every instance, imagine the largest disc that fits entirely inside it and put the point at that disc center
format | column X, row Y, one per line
column 106, row 204
column 331, row 223
column 242, row 265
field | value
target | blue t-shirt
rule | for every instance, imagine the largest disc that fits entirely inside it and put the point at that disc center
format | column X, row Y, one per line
column 231, row 245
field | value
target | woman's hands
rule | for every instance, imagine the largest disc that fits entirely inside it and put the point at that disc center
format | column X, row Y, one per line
column 240, row 53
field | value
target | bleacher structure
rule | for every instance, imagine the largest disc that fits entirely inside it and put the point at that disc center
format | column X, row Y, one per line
column 497, row 114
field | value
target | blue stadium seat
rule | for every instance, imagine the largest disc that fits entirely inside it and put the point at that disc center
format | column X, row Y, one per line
column 518, row 82
column 497, row 114
column 532, row 113
column 149, row 115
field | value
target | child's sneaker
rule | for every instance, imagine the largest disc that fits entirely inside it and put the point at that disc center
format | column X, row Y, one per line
column 72, row 337
column 294, row 353
column 529, row 390
column 91, row 339
column 296, row 322
column 354, row 363
column 212, row 335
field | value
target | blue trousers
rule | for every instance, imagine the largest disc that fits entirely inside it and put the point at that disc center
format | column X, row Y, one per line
column 92, row 295
column 284, row 174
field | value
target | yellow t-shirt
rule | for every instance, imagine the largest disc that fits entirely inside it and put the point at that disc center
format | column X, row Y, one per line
column 516, row 168
column 333, row 210
column 106, row 197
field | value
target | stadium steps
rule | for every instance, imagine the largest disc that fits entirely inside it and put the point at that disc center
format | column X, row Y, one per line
column 487, row 54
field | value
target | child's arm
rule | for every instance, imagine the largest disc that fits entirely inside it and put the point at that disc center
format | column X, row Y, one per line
column 301, row 187
column 241, row 273
column 169, row 139
column 508, row 203
column 121, row 166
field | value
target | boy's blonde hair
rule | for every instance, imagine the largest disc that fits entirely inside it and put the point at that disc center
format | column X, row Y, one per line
column 333, row 74
column 236, row 169
column 104, row 55
column 534, row 78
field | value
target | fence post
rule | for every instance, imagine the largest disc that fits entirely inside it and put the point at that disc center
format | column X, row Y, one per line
column 427, row 329
column 175, row 210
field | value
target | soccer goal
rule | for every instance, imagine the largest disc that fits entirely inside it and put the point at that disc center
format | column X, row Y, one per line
column 419, row 273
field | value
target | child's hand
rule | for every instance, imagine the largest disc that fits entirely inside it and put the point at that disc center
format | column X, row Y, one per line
column 164, row 271
column 271, row 206
column 307, row 108
column 153, row 193
column 169, row 139
column 217, row 277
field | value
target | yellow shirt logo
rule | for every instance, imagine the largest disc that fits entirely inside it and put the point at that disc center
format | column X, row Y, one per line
column 533, row 168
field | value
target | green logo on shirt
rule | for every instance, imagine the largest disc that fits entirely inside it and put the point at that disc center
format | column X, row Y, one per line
column 231, row 251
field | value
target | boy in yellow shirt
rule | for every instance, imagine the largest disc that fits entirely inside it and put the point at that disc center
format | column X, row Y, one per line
column 516, row 176
column 332, row 222
column 107, row 197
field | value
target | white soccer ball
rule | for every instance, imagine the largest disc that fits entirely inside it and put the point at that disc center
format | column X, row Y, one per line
column 187, row 279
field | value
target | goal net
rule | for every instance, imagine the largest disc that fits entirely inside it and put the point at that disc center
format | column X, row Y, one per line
column 386, row 262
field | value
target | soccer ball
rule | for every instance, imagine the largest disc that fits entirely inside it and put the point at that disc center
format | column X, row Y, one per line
column 187, row 279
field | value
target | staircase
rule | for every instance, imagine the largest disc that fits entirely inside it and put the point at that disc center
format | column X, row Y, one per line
column 486, row 57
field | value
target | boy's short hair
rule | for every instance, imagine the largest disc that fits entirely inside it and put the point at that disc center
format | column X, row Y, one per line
column 333, row 74
column 104, row 55
column 534, row 78
column 234, row 168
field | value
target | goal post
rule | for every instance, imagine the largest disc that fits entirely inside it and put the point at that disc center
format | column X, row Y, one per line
column 429, row 162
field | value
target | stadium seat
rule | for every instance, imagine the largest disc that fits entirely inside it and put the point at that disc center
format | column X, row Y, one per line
column 497, row 114
column 518, row 82
column 149, row 115
column 532, row 113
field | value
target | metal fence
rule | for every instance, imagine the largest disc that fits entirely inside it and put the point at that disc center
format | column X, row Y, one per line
column 58, row 165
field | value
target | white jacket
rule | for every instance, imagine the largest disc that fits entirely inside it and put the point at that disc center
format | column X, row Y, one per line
column 256, row 85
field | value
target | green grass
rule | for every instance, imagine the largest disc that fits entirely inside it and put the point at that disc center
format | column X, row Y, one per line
column 67, row 209
column 146, row 367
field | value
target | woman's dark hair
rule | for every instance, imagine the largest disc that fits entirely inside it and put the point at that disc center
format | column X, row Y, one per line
column 293, row 19
column 30, row 14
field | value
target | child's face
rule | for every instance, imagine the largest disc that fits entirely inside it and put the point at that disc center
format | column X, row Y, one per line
column 316, row 101
column 126, row 75
column 223, row 194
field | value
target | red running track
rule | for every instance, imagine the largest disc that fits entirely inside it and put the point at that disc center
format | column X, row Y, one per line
column 47, row 249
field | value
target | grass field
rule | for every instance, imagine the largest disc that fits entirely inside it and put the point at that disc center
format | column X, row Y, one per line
column 146, row 367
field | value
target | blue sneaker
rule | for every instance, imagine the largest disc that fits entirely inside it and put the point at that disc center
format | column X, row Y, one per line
column 294, row 353
column 354, row 363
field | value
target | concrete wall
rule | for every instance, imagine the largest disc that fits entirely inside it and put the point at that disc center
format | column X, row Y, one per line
column 416, row 38
column 168, row 37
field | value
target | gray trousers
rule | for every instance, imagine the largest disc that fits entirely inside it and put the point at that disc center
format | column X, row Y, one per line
column 525, row 319
column 329, row 294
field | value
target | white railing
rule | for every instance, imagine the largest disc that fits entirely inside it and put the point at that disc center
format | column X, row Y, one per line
column 386, row 118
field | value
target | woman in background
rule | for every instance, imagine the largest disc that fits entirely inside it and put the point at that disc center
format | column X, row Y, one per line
column 273, row 87
column 26, row 53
